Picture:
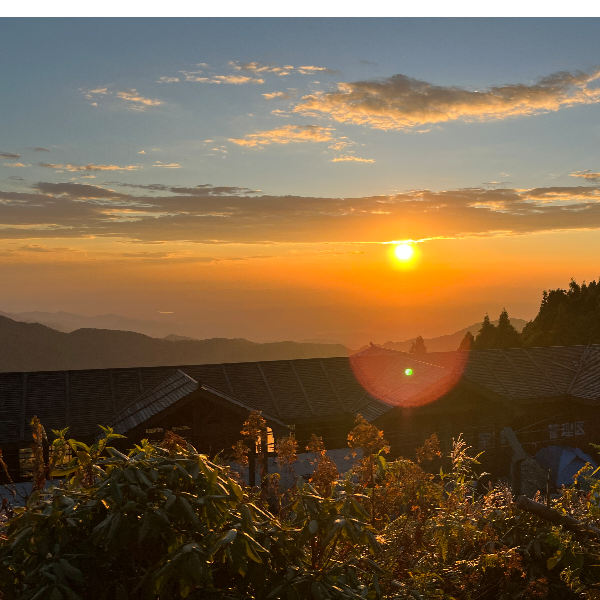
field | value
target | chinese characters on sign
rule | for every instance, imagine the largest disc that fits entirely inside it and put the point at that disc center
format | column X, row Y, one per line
column 556, row 430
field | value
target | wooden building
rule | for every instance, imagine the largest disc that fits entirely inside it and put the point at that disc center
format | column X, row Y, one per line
column 547, row 395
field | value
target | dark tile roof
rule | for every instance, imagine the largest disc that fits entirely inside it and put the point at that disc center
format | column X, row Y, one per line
column 291, row 391
column 150, row 403
column 528, row 374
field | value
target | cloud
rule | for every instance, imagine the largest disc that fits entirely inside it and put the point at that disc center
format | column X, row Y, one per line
column 16, row 165
column 133, row 99
column 168, row 79
column 280, row 95
column 90, row 94
column 227, row 79
column 229, row 215
column 255, row 67
column 9, row 155
column 285, row 135
column 138, row 100
column 352, row 158
column 167, row 166
column 77, row 190
column 90, row 167
column 40, row 149
column 204, row 189
column 44, row 248
column 402, row 102
column 312, row 70
column 587, row 175
column 368, row 63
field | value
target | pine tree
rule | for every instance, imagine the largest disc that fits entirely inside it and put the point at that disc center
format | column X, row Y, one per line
column 418, row 346
column 506, row 334
column 486, row 338
column 467, row 342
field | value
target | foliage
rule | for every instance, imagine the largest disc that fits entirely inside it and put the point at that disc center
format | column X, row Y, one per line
column 503, row 335
column 166, row 523
column 467, row 342
column 566, row 317
column 418, row 346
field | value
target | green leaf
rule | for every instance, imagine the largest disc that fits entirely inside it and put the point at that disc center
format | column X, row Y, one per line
column 250, row 552
column 70, row 571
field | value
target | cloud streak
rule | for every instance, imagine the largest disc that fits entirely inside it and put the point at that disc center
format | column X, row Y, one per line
column 402, row 102
column 90, row 167
column 350, row 158
column 285, row 135
column 587, row 175
column 205, row 214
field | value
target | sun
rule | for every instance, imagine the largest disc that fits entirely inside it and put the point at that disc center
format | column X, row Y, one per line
column 404, row 252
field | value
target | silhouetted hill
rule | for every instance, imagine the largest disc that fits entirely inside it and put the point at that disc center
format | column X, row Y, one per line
column 67, row 322
column 36, row 347
column 446, row 343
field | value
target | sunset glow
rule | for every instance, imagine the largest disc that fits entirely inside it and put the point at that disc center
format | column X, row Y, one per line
column 332, row 191
column 404, row 252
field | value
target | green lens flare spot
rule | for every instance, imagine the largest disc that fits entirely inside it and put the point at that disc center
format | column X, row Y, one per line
column 408, row 372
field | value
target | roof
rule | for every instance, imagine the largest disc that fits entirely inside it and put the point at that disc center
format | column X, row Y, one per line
column 150, row 403
column 294, row 391
column 291, row 391
column 528, row 374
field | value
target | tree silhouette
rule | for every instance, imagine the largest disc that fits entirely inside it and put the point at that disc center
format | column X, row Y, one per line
column 418, row 346
column 467, row 342
column 566, row 317
column 506, row 334
column 486, row 338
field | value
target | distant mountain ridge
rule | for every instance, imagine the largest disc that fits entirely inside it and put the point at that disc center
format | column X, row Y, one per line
column 67, row 322
column 37, row 347
column 447, row 343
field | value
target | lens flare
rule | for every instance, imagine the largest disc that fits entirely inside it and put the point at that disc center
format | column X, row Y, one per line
column 404, row 252
column 408, row 372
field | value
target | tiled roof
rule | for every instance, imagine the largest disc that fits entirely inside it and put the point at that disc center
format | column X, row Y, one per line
column 150, row 403
column 519, row 373
column 289, row 390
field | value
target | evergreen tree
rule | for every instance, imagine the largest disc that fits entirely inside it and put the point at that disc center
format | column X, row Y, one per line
column 566, row 317
column 418, row 346
column 467, row 342
column 486, row 338
column 506, row 334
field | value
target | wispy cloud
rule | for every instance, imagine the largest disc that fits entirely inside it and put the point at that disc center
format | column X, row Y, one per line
column 40, row 149
column 256, row 67
column 9, row 155
column 17, row 164
column 350, row 158
column 279, row 95
column 90, row 167
column 402, row 102
column 133, row 99
column 168, row 79
column 139, row 101
column 207, row 214
column 198, row 77
column 285, row 135
column 308, row 70
column 587, row 175
column 167, row 165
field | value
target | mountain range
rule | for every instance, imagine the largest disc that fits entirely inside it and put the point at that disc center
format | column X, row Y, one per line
column 37, row 347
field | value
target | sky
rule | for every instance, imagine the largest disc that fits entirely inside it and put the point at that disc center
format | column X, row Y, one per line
column 255, row 176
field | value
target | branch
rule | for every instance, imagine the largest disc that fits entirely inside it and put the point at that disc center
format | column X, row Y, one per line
column 553, row 516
